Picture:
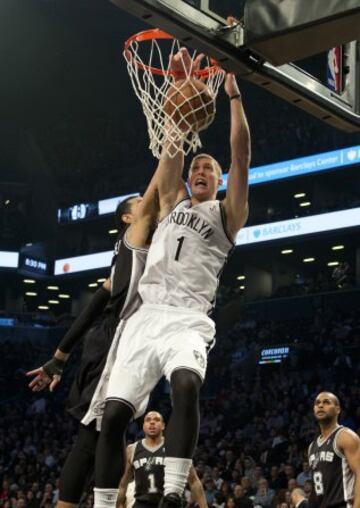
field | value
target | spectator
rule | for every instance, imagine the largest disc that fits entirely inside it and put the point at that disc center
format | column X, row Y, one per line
column 218, row 480
column 292, row 484
column 230, row 502
column 298, row 498
column 249, row 490
column 210, row 490
column 219, row 501
column 308, row 488
column 277, row 480
column 264, row 495
column 304, row 475
column 240, row 500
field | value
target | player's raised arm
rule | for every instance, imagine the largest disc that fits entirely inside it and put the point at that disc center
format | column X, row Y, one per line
column 146, row 215
column 170, row 182
column 171, row 165
column 236, row 200
column 348, row 443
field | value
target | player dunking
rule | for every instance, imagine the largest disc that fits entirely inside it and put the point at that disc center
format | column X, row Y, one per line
column 171, row 333
column 97, row 324
column 145, row 465
column 334, row 458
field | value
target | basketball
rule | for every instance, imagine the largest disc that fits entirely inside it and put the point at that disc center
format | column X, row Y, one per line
column 190, row 104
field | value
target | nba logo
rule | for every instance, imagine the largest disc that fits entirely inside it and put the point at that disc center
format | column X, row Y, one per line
column 334, row 69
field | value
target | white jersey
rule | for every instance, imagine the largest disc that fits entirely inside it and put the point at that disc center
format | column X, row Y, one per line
column 186, row 257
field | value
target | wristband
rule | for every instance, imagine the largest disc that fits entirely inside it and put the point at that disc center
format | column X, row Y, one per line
column 237, row 96
column 54, row 367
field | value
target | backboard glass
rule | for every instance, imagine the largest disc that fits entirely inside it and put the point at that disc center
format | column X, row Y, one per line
column 200, row 24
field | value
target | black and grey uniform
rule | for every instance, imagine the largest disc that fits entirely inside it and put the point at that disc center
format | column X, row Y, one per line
column 333, row 480
column 148, row 471
column 99, row 351
column 126, row 269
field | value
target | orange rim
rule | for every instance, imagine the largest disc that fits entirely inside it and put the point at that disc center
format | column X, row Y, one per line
column 156, row 33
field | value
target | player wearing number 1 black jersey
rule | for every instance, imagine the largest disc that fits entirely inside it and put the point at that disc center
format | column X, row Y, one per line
column 334, row 458
column 145, row 466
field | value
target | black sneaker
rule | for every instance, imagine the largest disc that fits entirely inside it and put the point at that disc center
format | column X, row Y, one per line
column 172, row 500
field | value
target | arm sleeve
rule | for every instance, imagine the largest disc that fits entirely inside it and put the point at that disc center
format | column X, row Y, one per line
column 85, row 319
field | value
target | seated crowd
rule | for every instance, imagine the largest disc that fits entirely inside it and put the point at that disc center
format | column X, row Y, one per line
column 256, row 422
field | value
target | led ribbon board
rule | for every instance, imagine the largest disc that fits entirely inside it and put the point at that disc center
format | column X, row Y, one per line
column 83, row 263
column 297, row 227
column 261, row 174
column 9, row 259
column 302, row 166
column 109, row 205
column 253, row 234
column 83, row 211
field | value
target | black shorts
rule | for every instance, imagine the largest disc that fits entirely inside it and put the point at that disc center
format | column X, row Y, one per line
column 97, row 342
column 142, row 504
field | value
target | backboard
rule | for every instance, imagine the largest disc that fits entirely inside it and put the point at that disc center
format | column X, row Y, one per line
column 256, row 57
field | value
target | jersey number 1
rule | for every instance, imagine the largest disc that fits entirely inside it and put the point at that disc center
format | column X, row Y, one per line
column 152, row 488
column 179, row 247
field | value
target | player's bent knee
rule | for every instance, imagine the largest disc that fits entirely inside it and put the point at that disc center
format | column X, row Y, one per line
column 185, row 386
column 116, row 417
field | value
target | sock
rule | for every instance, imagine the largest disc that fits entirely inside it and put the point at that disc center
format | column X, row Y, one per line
column 176, row 475
column 105, row 498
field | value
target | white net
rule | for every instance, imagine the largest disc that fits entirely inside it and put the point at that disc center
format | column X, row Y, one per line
column 177, row 92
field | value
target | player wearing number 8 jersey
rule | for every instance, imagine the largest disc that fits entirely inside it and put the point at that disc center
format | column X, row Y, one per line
column 171, row 333
column 145, row 466
column 334, row 458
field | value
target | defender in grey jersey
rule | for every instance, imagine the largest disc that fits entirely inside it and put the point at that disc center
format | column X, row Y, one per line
column 334, row 459
column 98, row 325
column 171, row 332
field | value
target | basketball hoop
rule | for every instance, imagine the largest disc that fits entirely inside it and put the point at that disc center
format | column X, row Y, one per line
column 172, row 124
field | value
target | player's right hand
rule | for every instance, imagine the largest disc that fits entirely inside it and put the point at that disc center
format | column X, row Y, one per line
column 42, row 380
column 182, row 64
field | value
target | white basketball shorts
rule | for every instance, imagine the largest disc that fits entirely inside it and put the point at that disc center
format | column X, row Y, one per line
column 156, row 341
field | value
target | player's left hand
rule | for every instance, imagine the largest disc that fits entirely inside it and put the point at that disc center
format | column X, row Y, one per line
column 40, row 381
column 49, row 374
column 231, row 87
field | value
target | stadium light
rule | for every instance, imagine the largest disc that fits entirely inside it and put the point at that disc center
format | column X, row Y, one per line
column 30, row 293
column 308, row 260
column 93, row 285
column 333, row 263
column 63, row 296
column 53, row 288
column 43, row 307
column 305, row 203
column 299, row 195
column 240, row 277
column 29, row 281
column 54, row 302
column 287, row 251
column 338, row 247
column 113, row 231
